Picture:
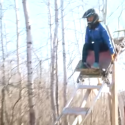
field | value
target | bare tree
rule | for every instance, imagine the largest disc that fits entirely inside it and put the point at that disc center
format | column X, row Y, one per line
column 56, row 85
column 18, row 34
column 6, row 39
column 53, row 67
column 64, row 59
column 18, row 57
column 29, row 65
column 104, row 10
column 3, row 69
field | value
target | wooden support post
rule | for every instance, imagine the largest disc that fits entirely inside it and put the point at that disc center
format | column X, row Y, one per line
column 110, row 106
column 114, row 95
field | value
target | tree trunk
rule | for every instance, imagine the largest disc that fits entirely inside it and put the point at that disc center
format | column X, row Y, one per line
column 53, row 46
column 64, row 60
column 56, row 89
column 18, row 59
column 29, row 65
column 18, row 35
column 104, row 10
column 51, row 68
column 2, row 106
column 3, row 70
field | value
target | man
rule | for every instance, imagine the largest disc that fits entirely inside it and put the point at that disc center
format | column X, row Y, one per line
column 96, row 39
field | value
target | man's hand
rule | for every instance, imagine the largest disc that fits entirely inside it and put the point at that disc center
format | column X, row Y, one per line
column 113, row 56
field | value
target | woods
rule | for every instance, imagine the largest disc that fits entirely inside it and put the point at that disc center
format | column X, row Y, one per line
column 41, row 44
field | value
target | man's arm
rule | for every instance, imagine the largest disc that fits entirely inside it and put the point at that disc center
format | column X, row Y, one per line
column 107, row 39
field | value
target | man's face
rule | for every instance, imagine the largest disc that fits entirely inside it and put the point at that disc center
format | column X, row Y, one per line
column 90, row 19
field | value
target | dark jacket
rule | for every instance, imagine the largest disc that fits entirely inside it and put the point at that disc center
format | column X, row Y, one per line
column 99, row 34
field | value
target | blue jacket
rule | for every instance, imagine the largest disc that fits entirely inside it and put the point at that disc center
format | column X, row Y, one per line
column 99, row 34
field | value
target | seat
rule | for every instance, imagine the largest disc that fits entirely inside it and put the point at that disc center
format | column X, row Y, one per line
column 104, row 59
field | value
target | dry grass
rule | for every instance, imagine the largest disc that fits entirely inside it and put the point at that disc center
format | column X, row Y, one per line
column 99, row 116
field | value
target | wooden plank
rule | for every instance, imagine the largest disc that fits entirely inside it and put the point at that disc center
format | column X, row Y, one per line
column 86, row 71
column 119, row 30
column 81, row 76
column 90, row 71
column 90, row 75
column 75, row 111
column 110, row 106
column 115, row 96
column 80, row 86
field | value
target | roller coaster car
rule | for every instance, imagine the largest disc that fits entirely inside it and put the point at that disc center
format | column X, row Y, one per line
column 104, row 62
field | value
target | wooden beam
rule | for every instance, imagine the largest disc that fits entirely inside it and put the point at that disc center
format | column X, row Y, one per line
column 80, row 86
column 119, row 30
column 75, row 111
column 110, row 106
column 115, row 95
